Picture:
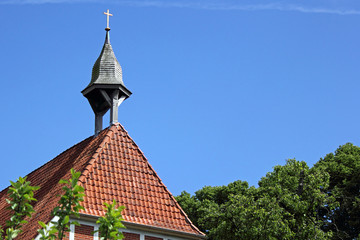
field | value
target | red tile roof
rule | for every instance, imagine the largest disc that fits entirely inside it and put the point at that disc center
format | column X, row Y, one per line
column 113, row 167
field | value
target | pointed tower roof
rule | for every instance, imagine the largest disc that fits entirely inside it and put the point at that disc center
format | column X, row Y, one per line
column 112, row 167
column 106, row 89
column 107, row 69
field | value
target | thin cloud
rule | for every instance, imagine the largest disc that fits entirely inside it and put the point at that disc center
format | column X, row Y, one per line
column 243, row 7
column 206, row 5
column 34, row 2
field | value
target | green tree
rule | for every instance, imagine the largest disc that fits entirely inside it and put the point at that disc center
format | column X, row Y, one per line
column 249, row 216
column 21, row 194
column 343, row 167
column 69, row 205
column 204, row 208
column 110, row 224
column 299, row 192
column 284, row 206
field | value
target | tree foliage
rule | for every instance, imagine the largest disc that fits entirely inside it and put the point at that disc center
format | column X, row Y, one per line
column 299, row 193
column 284, row 206
column 293, row 201
column 110, row 224
column 21, row 194
column 68, row 205
column 343, row 167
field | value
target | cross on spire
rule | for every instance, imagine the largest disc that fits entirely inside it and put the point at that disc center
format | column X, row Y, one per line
column 108, row 14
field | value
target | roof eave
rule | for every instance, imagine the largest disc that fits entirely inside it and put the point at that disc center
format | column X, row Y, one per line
column 93, row 86
column 147, row 228
column 163, row 230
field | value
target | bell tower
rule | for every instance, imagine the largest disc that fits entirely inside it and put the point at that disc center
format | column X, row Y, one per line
column 106, row 89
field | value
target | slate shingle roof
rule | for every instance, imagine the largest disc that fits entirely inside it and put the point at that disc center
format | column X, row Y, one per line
column 106, row 69
column 113, row 167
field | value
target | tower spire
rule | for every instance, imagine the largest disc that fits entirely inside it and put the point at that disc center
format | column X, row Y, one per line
column 106, row 89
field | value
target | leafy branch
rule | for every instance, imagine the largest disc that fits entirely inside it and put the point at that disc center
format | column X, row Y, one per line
column 69, row 205
column 21, row 194
column 111, row 222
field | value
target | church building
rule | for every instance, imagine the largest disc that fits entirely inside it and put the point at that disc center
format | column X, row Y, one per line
column 112, row 167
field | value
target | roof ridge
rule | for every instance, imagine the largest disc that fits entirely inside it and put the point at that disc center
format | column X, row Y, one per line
column 163, row 185
column 173, row 198
column 89, row 164
column 69, row 149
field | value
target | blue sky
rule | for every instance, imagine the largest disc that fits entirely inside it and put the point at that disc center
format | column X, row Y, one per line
column 222, row 90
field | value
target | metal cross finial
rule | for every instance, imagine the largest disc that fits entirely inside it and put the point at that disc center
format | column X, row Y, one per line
column 108, row 14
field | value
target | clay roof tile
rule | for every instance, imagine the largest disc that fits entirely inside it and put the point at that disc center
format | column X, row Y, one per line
column 112, row 167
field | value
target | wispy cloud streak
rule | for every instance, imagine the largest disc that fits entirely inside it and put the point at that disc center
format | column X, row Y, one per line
column 206, row 5
column 244, row 7
column 34, row 2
